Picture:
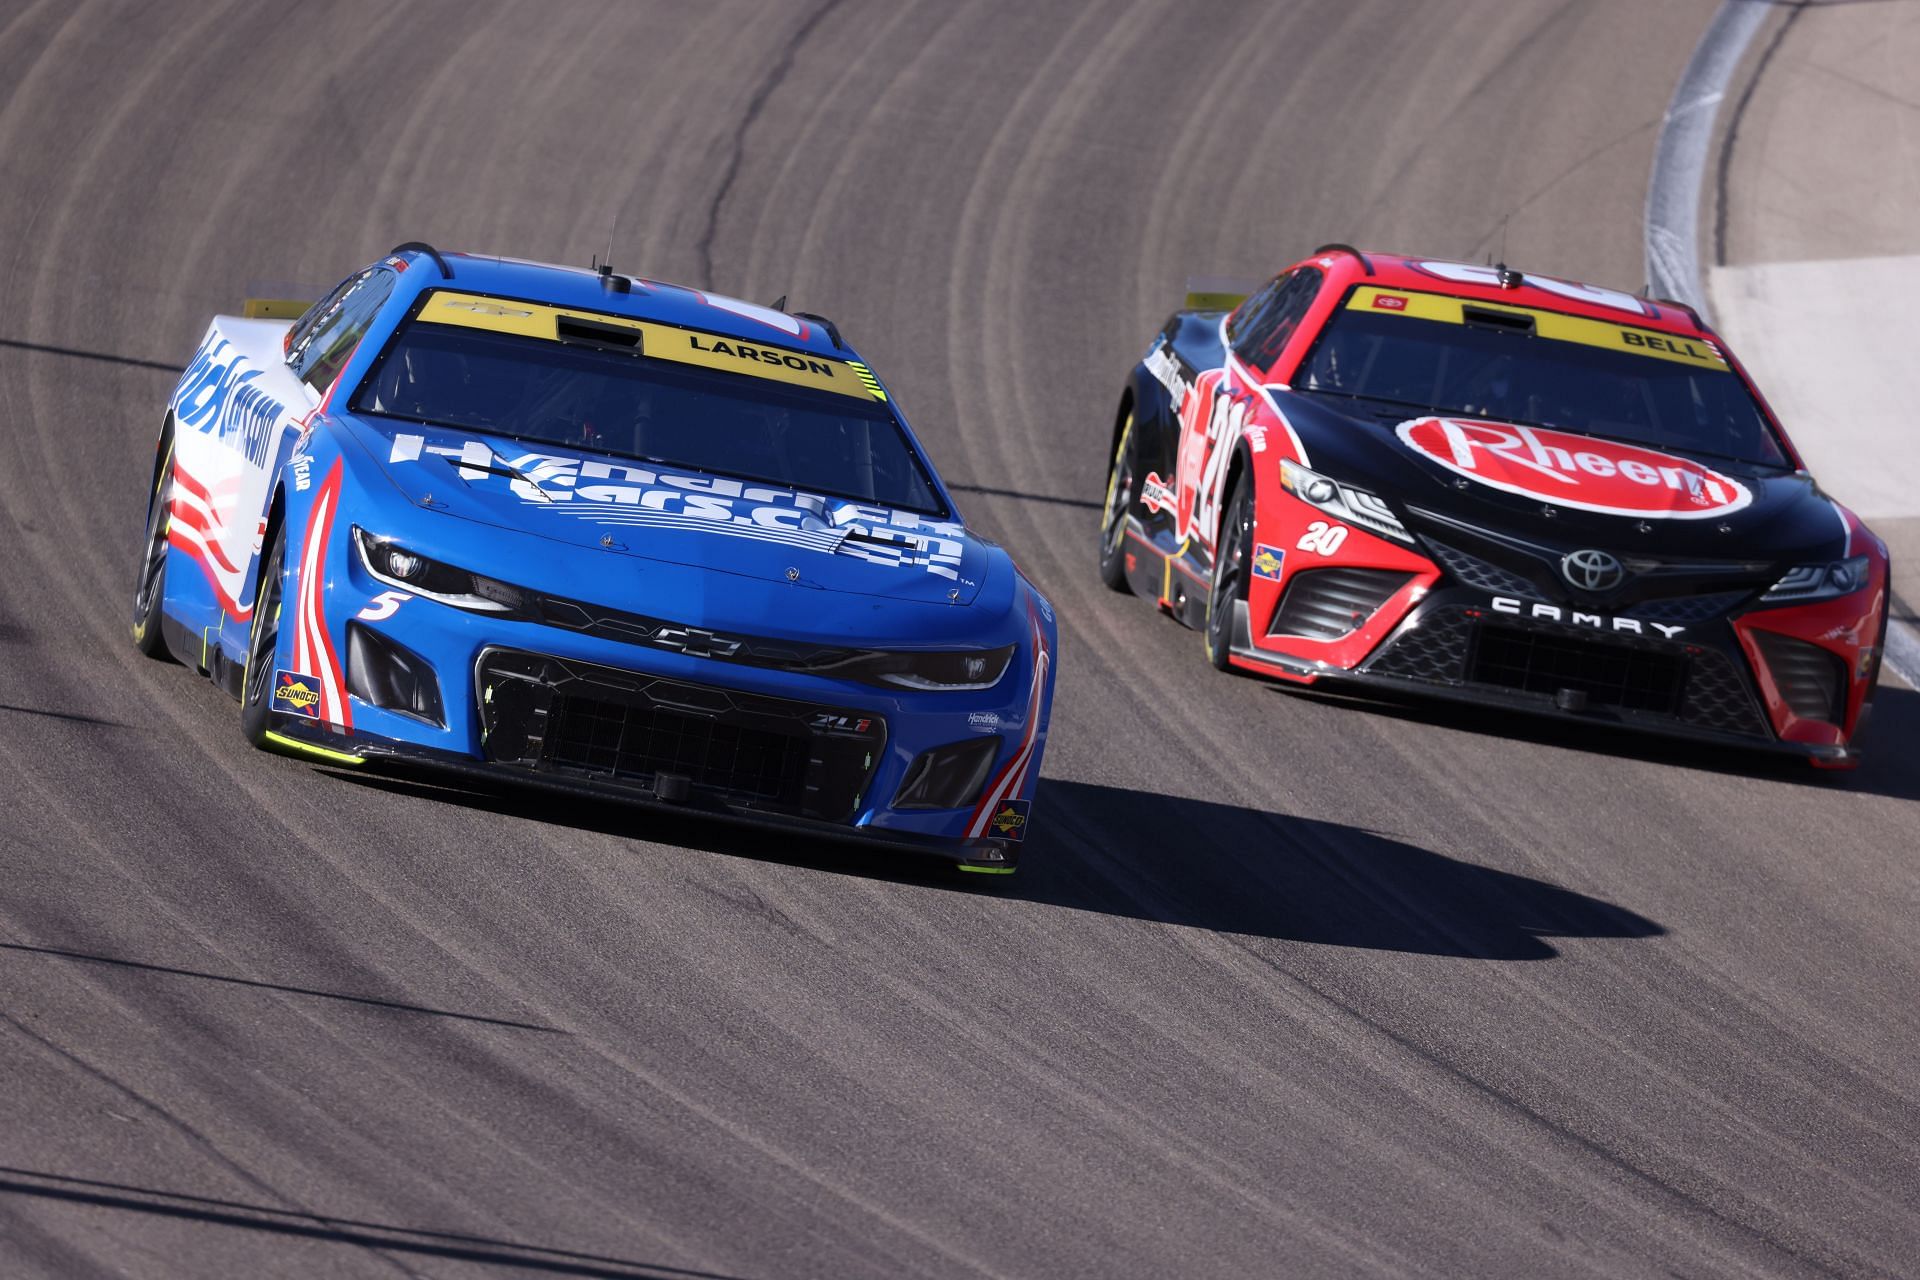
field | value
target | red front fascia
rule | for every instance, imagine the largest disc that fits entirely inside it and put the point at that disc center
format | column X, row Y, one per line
column 1848, row 628
column 1297, row 530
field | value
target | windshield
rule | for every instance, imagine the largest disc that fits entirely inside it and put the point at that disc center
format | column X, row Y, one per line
column 1602, row 379
column 618, row 402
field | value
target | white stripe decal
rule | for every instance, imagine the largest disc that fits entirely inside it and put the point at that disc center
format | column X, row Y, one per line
column 1246, row 376
column 329, row 680
column 310, row 657
column 1015, row 774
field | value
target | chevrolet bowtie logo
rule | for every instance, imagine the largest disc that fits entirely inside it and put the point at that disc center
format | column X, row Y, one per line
column 696, row 643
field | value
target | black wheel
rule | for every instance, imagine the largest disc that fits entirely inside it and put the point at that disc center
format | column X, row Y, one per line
column 1121, row 484
column 150, row 586
column 1231, row 556
column 256, row 686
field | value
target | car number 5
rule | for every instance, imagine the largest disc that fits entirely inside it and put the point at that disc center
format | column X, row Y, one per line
column 383, row 606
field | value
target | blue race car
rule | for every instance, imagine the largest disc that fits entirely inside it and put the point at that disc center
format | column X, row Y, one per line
column 592, row 532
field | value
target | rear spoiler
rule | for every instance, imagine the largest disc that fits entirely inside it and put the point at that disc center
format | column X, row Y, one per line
column 279, row 299
column 1218, row 293
column 273, row 308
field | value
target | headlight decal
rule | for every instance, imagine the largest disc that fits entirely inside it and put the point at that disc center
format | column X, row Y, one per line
column 388, row 562
column 1806, row 583
column 1354, row 505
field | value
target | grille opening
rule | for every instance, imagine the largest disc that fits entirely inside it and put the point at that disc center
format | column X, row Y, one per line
column 1471, row 570
column 385, row 673
column 637, row 743
column 1326, row 604
column 1609, row 675
column 1812, row 680
column 629, row 729
column 1436, row 648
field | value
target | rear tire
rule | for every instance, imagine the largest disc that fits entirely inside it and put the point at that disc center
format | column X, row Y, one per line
column 263, row 644
column 1233, row 552
column 150, row 584
column 1121, row 482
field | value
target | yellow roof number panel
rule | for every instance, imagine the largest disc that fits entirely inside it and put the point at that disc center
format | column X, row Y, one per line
column 660, row 341
column 1546, row 324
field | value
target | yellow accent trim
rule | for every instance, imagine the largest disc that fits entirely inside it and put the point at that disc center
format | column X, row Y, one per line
column 308, row 749
column 1113, row 472
column 1214, row 301
column 866, row 377
column 204, row 633
column 273, row 309
column 660, row 341
column 986, row 871
column 1548, row 324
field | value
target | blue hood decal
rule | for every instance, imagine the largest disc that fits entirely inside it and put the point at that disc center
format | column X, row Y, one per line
column 681, row 516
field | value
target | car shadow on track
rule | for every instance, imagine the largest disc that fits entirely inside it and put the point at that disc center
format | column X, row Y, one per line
column 1161, row 858
column 1888, row 746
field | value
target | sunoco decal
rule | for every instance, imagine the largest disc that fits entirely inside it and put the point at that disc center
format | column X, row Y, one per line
column 296, row 694
column 1576, row 471
column 1010, row 820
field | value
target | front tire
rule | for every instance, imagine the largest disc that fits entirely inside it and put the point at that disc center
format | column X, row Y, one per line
column 263, row 645
column 150, row 585
column 1233, row 553
column 1121, row 484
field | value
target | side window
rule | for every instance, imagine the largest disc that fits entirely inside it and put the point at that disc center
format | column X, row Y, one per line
column 1244, row 317
column 303, row 327
column 1266, row 331
column 341, row 321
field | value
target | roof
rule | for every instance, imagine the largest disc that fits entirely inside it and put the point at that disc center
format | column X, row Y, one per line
column 585, row 290
column 1478, row 283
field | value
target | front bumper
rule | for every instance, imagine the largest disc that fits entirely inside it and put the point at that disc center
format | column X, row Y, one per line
column 306, row 740
column 1455, row 644
column 525, row 703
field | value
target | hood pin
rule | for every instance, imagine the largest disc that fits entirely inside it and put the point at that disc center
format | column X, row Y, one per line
column 793, row 575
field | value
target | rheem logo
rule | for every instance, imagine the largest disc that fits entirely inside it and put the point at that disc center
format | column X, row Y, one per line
column 1575, row 471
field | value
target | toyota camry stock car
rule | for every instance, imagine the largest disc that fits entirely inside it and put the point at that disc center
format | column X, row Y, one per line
column 1495, row 486
column 594, row 532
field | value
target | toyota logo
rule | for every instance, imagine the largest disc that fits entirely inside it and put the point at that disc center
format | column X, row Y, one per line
column 1592, row 570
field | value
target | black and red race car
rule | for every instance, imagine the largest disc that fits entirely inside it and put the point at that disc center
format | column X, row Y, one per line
column 1524, row 492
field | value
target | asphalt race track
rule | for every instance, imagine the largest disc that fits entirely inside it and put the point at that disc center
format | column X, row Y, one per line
column 1289, row 986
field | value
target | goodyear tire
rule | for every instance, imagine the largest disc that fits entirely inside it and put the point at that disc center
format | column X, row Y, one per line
column 1230, row 567
column 150, row 584
column 1113, row 513
column 263, row 642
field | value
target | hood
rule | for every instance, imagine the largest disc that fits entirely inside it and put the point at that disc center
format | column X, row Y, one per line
column 1602, row 493
column 679, row 516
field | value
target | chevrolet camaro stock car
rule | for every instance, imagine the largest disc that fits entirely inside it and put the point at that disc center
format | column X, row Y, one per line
column 1471, row 482
column 580, row 530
